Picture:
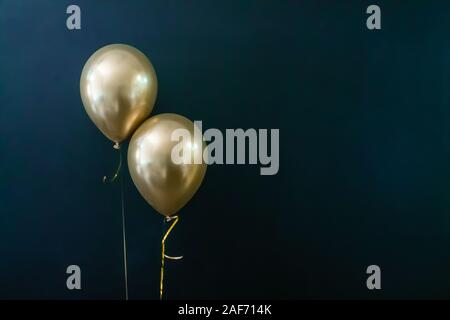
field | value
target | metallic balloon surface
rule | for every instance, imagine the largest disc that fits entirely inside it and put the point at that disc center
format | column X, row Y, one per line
column 118, row 88
column 165, row 185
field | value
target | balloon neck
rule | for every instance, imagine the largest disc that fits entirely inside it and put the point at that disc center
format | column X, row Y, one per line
column 116, row 146
column 169, row 218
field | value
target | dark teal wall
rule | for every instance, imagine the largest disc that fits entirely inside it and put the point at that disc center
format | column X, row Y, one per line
column 364, row 165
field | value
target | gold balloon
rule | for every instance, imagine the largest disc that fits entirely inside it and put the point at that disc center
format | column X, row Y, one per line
column 165, row 185
column 118, row 88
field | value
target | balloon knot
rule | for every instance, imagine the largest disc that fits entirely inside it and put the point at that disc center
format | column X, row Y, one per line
column 169, row 218
column 116, row 146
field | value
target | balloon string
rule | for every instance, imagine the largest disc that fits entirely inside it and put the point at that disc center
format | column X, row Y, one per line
column 163, row 253
column 119, row 167
column 124, row 235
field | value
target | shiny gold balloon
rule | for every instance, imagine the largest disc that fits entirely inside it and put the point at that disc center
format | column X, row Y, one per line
column 166, row 185
column 118, row 88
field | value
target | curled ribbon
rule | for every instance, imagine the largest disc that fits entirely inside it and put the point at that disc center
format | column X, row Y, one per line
column 164, row 255
column 110, row 180
column 116, row 174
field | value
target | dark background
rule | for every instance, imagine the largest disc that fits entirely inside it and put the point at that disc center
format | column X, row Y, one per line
column 364, row 174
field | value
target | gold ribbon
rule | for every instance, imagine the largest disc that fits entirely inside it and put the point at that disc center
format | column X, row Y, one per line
column 124, row 237
column 119, row 167
column 163, row 253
